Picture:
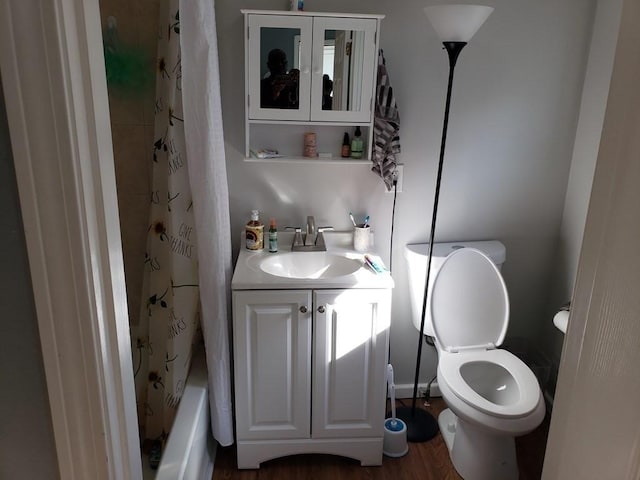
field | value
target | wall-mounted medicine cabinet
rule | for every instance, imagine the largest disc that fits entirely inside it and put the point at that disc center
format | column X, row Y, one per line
column 309, row 71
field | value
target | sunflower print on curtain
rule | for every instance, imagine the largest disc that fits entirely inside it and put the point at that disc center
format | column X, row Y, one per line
column 169, row 311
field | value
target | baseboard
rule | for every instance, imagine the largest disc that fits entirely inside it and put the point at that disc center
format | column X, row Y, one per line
column 405, row 390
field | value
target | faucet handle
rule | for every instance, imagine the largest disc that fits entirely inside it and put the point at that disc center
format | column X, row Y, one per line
column 324, row 229
column 297, row 238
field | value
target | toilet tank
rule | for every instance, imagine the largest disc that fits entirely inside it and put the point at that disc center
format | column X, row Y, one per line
column 416, row 258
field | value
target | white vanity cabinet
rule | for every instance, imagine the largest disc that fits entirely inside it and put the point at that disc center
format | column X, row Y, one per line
column 309, row 371
column 326, row 85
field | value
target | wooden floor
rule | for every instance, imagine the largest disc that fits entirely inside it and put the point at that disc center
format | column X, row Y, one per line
column 425, row 461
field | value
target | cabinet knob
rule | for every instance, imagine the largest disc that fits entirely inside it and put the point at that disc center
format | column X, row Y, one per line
column 303, row 309
column 321, row 309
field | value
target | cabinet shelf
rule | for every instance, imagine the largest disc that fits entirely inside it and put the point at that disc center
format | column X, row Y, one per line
column 288, row 141
column 308, row 123
column 308, row 161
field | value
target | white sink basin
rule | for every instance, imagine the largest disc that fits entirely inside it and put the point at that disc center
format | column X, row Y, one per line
column 309, row 265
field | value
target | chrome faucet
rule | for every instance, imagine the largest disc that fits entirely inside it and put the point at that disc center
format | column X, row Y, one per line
column 313, row 240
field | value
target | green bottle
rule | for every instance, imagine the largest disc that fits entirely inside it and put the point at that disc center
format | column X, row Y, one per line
column 273, row 236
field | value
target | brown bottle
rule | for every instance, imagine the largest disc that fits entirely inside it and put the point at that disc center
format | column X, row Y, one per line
column 346, row 146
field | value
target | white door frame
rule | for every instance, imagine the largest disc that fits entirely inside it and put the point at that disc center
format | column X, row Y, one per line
column 54, row 83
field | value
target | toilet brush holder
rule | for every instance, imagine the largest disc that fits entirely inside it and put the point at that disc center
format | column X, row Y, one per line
column 394, row 443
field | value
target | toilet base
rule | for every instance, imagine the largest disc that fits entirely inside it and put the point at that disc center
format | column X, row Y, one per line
column 475, row 453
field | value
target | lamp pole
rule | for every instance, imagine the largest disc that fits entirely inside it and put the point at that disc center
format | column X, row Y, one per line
column 455, row 25
column 421, row 426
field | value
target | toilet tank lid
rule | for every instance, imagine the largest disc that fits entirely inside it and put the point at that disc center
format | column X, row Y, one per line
column 494, row 249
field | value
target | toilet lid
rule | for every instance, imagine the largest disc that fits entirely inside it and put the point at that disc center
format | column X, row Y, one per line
column 469, row 302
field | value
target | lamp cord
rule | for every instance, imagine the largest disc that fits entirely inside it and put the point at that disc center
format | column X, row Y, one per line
column 393, row 216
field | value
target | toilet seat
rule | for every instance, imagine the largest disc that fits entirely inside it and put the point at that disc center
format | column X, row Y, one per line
column 527, row 383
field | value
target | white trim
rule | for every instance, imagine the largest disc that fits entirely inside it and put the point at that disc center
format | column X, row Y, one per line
column 405, row 390
column 54, row 84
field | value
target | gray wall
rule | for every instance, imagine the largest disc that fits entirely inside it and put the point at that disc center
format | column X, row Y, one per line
column 585, row 153
column 132, row 118
column 27, row 448
column 511, row 134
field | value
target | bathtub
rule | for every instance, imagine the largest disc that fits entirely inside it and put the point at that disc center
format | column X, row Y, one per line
column 190, row 450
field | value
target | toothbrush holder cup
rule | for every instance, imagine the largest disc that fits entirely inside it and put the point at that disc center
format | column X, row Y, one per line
column 361, row 237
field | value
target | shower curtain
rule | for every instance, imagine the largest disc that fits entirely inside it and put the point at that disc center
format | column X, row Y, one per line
column 188, row 258
column 208, row 174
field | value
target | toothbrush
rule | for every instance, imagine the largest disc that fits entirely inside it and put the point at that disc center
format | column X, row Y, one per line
column 366, row 221
column 353, row 220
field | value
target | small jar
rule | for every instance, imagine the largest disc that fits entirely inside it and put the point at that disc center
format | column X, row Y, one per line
column 310, row 145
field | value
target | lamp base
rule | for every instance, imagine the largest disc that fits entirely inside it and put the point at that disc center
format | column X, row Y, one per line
column 421, row 426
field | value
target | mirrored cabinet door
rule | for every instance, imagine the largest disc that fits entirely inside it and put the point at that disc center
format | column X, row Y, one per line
column 343, row 57
column 279, row 67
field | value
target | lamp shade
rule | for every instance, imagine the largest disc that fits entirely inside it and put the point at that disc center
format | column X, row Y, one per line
column 457, row 23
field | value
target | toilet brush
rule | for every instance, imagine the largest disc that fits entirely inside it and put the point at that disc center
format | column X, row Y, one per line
column 394, row 443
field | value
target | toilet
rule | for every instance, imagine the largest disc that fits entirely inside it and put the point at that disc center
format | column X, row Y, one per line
column 492, row 395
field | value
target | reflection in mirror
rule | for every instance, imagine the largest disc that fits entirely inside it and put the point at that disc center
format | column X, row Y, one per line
column 343, row 62
column 279, row 85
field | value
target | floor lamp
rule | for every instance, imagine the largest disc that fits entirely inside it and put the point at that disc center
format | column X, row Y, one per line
column 455, row 25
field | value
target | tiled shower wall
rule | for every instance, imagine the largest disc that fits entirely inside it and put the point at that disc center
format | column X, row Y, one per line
column 132, row 131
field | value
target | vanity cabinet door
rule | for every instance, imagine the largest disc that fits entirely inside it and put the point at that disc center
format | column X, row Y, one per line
column 351, row 340
column 272, row 363
column 279, row 67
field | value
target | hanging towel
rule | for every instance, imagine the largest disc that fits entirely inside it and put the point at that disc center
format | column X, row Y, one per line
column 386, row 126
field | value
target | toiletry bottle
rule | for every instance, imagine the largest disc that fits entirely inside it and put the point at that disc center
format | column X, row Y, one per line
column 357, row 145
column 346, row 146
column 273, row 236
column 254, row 232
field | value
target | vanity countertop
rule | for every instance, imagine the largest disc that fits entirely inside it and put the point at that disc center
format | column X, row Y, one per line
column 249, row 276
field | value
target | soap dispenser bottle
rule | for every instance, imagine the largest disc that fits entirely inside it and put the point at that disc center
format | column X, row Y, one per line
column 357, row 145
column 254, row 232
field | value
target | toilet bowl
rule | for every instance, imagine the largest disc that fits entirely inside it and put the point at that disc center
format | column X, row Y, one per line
column 492, row 395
